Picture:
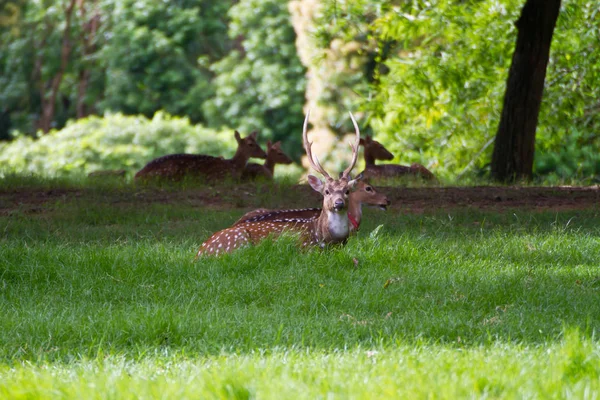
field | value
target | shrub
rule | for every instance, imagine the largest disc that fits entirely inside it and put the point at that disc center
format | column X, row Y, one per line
column 114, row 141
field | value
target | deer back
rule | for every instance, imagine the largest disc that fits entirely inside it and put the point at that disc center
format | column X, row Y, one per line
column 243, row 234
column 376, row 151
column 263, row 214
column 178, row 166
column 253, row 171
column 374, row 172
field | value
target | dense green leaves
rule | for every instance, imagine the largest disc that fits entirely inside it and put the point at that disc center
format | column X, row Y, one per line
column 260, row 84
column 442, row 69
column 112, row 142
column 151, row 58
column 430, row 75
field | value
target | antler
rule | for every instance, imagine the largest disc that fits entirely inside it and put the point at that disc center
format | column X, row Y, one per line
column 314, row 162
column 354, row 149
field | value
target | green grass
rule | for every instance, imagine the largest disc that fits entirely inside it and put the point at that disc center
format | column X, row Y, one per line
column 102, row 299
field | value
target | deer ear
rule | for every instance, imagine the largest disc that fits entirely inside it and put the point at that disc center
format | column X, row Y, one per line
column 277, row 143
column 269, row 144
column 254, row 134
column 362, row 142
column 237, row 136
column 369, row 138
column 315, row 183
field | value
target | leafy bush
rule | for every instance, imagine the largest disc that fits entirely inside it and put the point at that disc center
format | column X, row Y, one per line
column 113, row 142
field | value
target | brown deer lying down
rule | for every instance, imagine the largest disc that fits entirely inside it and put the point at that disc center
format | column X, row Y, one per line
column 178, row 166
column 375, row 151
column 332, row 225
column 363, row 193
column 275, row 155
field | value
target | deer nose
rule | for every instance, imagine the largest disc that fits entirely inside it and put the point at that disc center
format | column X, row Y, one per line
column 339, row 204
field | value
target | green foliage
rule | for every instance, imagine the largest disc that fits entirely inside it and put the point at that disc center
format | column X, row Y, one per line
column 568, row 135
column 440, row 75
column 440, row 102
column 261, row 84
column 145, row 56
column 151, row 57
column 112, row 142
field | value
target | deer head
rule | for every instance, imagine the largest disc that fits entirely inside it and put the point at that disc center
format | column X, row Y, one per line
column 374, row 151
column 332, row 225
column 335, row 191
column 247, row 147
column 365, row 193
column 275, row 155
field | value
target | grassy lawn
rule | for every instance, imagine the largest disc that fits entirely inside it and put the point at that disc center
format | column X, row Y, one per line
column 101, row 298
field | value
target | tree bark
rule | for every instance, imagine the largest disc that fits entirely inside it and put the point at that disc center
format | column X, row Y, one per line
column 514, row 148
column 49, row 104
column 90, row 28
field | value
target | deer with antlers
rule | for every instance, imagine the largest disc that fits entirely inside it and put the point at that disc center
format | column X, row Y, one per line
column 375, row 151
column 178, row 166
column 331, row 226
column 275, row 156
column 363, row 194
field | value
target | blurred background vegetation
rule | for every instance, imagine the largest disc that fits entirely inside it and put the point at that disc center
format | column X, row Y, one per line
column 102, row 84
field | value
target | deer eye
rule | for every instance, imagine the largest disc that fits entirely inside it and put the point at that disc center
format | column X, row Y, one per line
column 327, row 192
column 368, row 189
column 347, row 192
column 251, row 144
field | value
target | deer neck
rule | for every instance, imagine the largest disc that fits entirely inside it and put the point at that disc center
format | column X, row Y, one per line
column 369, row 158
column 332, row 227
column 270, row 165
column 240, row 159
column 354, row 212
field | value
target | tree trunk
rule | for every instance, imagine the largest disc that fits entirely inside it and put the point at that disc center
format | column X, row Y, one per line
column 49, row 104
column 90, row 28
column 512, row 158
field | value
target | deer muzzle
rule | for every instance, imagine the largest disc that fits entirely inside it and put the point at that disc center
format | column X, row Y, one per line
column 339, row 205
column 383, row 206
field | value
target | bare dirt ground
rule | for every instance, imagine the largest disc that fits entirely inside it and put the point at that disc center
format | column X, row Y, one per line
column 250, row 196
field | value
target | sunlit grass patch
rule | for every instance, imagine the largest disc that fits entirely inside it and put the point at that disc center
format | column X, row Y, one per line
column 570, row 367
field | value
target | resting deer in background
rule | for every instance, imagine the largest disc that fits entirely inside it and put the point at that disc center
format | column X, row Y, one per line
column 275, row 155
column 363, row 193
column 375, row 151
column 178, row 166
column 332, row 225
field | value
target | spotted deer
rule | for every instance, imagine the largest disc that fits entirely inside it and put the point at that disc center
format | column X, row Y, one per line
column 331, row 226
column 275, row 156
column 363, row 193
column 375, row 151
column 178, row 166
